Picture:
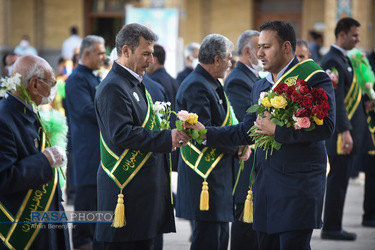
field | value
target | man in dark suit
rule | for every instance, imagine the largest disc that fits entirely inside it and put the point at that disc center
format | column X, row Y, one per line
column 203, row 94
column 351, row 135
column 80, row 89
column 129, row 128
column 29, row 179
column 238, row 86
column 191, row 61
column 289, row 185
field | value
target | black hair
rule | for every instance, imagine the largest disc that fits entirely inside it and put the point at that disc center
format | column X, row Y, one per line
column 285, row 32
column 345, row 24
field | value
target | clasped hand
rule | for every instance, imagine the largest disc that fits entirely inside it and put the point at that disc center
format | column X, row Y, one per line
column 179, row 139
column 264, row 125
column 56, row 156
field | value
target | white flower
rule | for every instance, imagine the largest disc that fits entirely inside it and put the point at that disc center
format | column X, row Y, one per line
column 3, row 93
column 159, row 107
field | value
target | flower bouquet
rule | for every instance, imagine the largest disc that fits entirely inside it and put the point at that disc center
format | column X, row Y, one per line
column 334, row 75
column 298, row 106
column 191, row 118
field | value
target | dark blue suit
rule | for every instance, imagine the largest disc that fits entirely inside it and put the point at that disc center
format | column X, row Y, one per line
column 341, row 165
column 121, row 108
column 200, row 93
column 183, row 74
column 289, row 186
column 80, row 91
column 155, row 89
column 238, row 86
column 23, row 167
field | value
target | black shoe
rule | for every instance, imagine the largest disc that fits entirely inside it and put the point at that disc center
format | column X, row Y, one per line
column 368, row 223
column 338, row 235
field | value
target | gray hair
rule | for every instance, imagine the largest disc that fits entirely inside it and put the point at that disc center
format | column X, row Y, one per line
column 130, row 35
column 303, row 43
column 88, row 43
column 29, row 66
column 214, row 45
column 190, row 49
column 245, row 40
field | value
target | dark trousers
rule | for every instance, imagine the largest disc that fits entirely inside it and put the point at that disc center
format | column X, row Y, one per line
column 131, row 245
column 210, row 235
column 85, row 200
column 337, row 184
column 243, row 236
column 369, row 199
column 292, row 240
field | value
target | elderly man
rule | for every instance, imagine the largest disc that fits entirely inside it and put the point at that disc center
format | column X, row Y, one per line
column 302, row 50
column 203, row 94
column 29, row 179
column 238, row 86
column 80, row 88
column 133, row 170
column 191, row 61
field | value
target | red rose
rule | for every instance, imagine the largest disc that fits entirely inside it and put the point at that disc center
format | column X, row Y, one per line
column 304, row 90
column 307, row 101
column 302, row 113
column 300, row 82
column 296, row 97
column 319, row 94
column 281, row 88
column 289, row 92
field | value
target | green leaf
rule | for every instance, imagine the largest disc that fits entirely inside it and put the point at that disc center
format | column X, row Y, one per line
column 202, row 131
column 276, row 145
column 178, row 125
column 253, row 108
column 199, row 140
column 277, row 121
column 194, row 134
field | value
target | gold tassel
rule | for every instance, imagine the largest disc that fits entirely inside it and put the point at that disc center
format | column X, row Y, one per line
column 204, row 197
column 119, row 218
column 248, row 209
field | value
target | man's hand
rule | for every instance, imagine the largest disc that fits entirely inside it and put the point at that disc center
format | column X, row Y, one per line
column 264, row 125
column 369, row 105
column 245, row 156
column 198, row 126
column 56, row 156
column 179, row 138
column 347, row 142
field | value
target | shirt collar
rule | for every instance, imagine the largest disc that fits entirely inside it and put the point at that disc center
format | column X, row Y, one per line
column 344, row 52
column 138, row 77
column 269, row 76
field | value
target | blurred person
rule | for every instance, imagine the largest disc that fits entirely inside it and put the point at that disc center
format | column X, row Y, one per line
column 315, row 44
column 24, row 48
column 302, row 50
column 71, row 43
column 203, row 94
column 351, row 135
column 191, row 61
column 238, row 86
column 9, row 60
column 128, row 128
column 80, row 89
column 28, row 169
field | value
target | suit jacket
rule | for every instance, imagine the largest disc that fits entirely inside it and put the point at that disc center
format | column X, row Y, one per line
column 183, row 74
column 200, row 93
column 24, row 167
column 121, row 108
column 80, row 93
column 289, row 185
column 155, row 89
column 371, row 59
column 238, row 86
column 358, row 124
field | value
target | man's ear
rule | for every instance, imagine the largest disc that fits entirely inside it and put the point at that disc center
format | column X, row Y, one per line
column 217, row 60
column 32, row 86
column 125, row 50
column 287, row 47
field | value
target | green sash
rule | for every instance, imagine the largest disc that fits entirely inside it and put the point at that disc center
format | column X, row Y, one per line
column 121, row 169
column 353, row 97
column 203, row 162
column 303, row 70
column 19, row 232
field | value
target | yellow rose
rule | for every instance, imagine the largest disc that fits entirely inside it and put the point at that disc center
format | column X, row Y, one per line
column 318, row 121
column 279, row 102
column 266, row 102
column 193, row 118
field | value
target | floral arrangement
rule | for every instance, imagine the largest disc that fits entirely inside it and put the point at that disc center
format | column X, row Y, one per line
column 363, row 70
column 298, row 106
column 191, row 118
column 334, row 75
column 163, row 110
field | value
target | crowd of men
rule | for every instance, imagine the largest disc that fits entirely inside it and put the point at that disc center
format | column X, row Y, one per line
column 120, row 160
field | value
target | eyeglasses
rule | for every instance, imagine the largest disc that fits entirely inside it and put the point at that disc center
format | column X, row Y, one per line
column 50, row 83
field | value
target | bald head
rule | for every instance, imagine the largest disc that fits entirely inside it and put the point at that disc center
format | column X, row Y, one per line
column 33, row 68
